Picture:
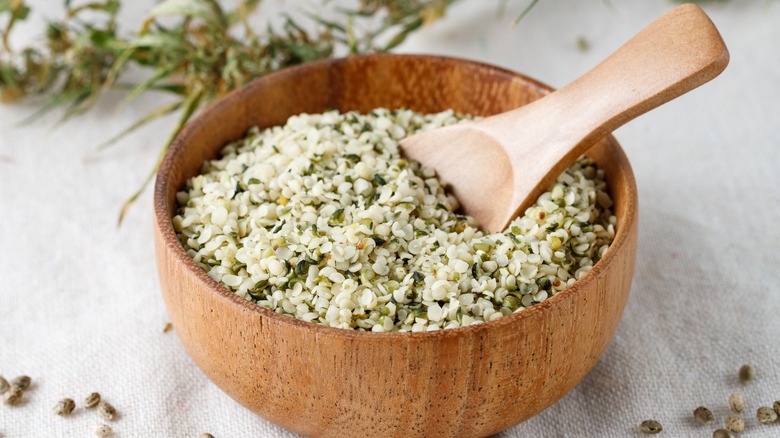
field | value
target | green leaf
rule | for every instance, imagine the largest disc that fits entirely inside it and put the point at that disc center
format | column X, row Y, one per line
column 158, row 112
column 401, row 36
column 159, row 74
column 190, row 105
column 155, row 39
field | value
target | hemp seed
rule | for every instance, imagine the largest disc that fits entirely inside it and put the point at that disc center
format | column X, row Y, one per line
column 372, row 199
column 746, row 374
column 64, row 407
column 102, row 430
column 766, row 415
column 13, row 396
column 92, row 400
column 106, row 410
column 776, row 407
column 4, row 385
column 736, row 403
column 205, row 435
column 651, row 427
column 21, row 382
column 703, row 415
column 735, row 424
column 721, row 433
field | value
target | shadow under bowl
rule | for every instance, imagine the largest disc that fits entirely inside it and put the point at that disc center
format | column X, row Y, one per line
column 322, row 381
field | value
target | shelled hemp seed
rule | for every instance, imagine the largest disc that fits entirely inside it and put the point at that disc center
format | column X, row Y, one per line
column 4, row 385
column 766, row 415
column 92, row 400
column 746, row 374
column 13, row 396
column 21, row 382
column 106, row 410
column 703, row 415
column 324, row 220
column 102, row 430
column 651, row 427
column 736, row 403
column 735, row 424
column 721, row 433
column 64, row 407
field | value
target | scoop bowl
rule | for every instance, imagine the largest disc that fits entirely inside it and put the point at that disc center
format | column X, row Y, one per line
column 322, row 381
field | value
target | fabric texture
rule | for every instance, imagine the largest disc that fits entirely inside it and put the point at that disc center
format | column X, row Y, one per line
column 81, row 309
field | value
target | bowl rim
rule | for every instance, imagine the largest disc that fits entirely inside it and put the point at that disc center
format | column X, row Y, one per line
column 164, row 226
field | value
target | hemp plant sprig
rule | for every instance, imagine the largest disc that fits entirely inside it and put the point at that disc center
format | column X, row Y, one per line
column 206, row 53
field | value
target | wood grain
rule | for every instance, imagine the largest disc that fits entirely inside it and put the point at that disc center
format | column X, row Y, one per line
column 321, row 381
column 498, row 166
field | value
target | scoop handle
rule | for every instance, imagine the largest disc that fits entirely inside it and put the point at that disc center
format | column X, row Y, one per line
column 678, row 52
column 673, row 55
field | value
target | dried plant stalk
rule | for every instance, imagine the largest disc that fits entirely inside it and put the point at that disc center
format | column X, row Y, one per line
column 198, row 59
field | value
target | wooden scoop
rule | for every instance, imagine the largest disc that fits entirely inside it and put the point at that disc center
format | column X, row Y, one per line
column 498, row 166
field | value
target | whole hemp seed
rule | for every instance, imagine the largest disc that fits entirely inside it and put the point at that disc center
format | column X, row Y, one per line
column 205, row 435
column 106, row 410
column 21, row 382
column 4, row 385
column 746, row 374
column 766, row 415
column 102, row 430
column 721, row 433
column 13, row 396
column 92, row 400
column 736, row 403
column 64, row 407
column 735, row 424
column 703, row 415
column 651, row 427
column 776, row 407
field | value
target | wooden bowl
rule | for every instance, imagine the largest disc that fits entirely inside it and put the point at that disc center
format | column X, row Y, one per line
column 323, row 381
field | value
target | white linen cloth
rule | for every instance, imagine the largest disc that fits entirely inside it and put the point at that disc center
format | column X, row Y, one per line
column 81, row 310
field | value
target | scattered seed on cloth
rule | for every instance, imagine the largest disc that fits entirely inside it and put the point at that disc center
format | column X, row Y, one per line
column 736, row 403
column 92, row 400
column 21, row 382
column 64, row 407
column 735, row 424
column 13, row 396
column 721, row 433
column 106, row 410
column 746, row 374
column 651, row 427
column 766, row 415
column 703, row 415
column 102, row 430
